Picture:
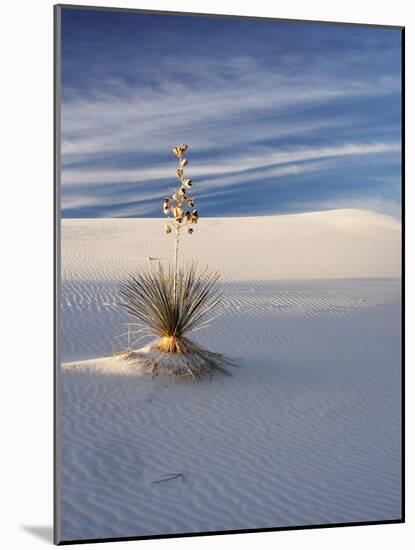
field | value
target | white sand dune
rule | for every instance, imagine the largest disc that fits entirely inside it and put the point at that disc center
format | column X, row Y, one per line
column 317, row 245
column 306, row 431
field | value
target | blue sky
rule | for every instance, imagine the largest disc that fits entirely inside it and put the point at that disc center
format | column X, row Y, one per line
column 279, row 117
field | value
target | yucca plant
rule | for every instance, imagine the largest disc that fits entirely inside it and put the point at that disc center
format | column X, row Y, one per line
column 169, row 303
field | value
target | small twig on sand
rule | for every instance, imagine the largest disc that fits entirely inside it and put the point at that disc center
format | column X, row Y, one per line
column 169, row 477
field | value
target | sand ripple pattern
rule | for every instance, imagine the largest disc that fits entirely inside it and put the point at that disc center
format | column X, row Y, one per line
column 307, row 430
column 338, row 244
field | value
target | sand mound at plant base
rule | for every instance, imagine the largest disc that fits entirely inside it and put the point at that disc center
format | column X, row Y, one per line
column 150, row 361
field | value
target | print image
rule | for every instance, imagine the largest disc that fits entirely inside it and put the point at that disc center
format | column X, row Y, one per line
column 229, row 335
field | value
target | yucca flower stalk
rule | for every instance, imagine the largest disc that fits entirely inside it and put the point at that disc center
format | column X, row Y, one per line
column 180, row 206
column 168, row 303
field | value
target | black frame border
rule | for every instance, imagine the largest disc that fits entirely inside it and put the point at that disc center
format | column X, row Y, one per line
column 56, row 262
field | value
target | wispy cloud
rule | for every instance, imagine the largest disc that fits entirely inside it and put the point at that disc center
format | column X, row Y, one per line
column 232, row 165
column 284, row 106
column 203, row 109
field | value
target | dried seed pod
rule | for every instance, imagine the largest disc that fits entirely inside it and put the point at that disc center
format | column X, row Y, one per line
column 179, row 205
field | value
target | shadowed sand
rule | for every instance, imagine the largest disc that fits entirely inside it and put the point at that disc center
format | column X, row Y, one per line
column 306, row 431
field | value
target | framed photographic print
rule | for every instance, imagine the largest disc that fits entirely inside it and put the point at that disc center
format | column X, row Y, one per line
column 229, row 297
